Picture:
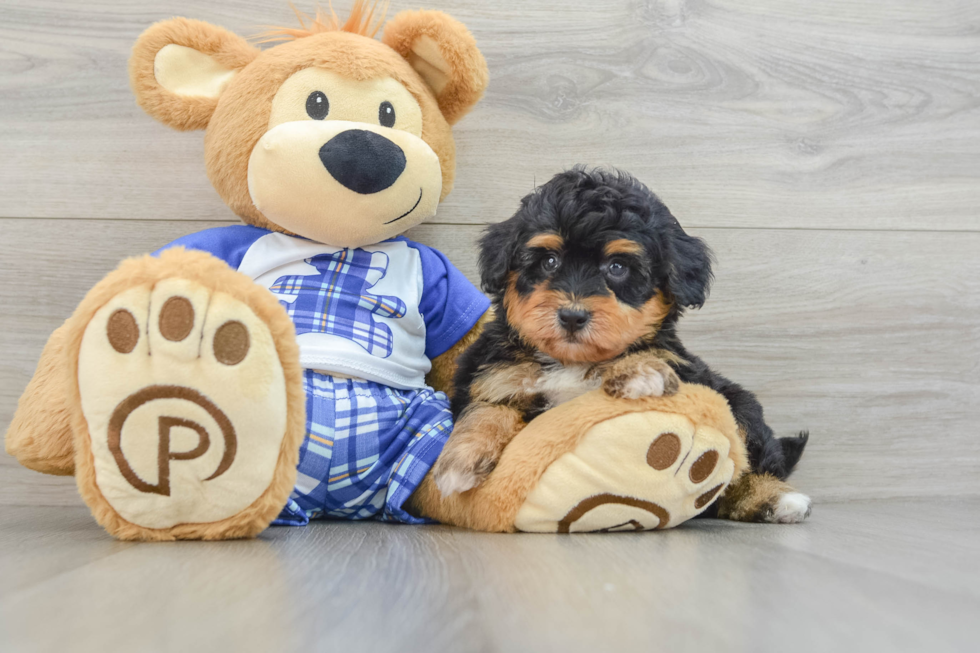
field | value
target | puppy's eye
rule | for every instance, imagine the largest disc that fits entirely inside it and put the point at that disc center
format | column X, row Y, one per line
column 617, row 271
column 386, row 114
column 317, row 105
column 550, row 263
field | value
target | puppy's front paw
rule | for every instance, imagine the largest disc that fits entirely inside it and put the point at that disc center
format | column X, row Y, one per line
column 459, row 470
column 643, row 380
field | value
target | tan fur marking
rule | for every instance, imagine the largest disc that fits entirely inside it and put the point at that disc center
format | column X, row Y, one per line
column 622, row 246
column 613, row 328
column 478, row 440
column 668, row 356
column 546, row 241
column 752, row 498
column 498, row 383
column 617, row 374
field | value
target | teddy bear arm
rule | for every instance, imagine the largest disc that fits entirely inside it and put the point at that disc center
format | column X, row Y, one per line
column 40, row 435
column 443, row 369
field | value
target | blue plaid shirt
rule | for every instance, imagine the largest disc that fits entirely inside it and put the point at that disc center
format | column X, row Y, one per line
column 379, row 312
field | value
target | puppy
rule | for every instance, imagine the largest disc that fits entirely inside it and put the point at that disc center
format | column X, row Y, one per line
column 588, row 281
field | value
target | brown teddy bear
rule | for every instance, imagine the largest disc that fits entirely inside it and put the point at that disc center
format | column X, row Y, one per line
column 290, row 366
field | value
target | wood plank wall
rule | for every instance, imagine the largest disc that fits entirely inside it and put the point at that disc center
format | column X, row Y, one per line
column 828, row 151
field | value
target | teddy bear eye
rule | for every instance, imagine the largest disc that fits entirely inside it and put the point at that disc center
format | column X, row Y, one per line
column 317, row 105
column 386, row 114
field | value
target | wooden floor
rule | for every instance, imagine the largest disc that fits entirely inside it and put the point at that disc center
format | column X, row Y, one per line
column 892, row 575
column 828, row 151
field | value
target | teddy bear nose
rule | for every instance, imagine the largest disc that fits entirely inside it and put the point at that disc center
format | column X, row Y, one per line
column 363, row 161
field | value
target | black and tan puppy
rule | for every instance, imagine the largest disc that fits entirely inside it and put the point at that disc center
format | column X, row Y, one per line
column 588, row 281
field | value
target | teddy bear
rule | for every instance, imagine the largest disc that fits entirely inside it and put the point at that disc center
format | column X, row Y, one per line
column 292, row 367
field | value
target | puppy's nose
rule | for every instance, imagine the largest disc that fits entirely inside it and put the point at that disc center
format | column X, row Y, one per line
column 363, row 161
column 573, row 319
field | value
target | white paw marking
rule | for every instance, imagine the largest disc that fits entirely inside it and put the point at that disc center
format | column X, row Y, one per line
column 792, row 508
column 648, row 383
column 453, row 481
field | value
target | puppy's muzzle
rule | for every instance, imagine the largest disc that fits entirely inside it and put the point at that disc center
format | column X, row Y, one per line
column 363, row 161
column 573, row 319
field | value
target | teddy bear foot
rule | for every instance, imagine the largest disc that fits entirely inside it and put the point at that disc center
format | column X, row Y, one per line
column 602, row 464
column 184, row 400
column 640, row 471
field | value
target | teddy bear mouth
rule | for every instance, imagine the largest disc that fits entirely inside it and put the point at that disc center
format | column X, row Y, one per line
column 405, row 214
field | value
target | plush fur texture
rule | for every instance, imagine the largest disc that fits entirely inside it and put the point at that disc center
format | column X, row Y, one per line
column 237, row 120
column 207, row 271
column 462, row 67
column 192, row 75
column 49, row 432
column 362, row 19
column 40, row 435
column 602, row 246
column 494, row 505
column 182, row 112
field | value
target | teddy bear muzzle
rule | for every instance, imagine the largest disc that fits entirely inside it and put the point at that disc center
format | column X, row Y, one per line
column 343, row 183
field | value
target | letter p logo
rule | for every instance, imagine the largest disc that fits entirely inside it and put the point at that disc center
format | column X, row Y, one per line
column 165, row 426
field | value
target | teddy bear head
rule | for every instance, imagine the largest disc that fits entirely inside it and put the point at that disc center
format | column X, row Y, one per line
column 330, row 134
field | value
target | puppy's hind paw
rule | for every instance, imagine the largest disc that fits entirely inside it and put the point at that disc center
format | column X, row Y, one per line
column 792, row 508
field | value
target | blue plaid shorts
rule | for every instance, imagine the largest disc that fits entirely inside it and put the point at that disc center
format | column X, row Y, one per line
column 367, row 448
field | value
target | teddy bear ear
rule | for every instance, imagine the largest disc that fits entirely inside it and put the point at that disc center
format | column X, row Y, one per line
column 179, row 68
column 444, row 53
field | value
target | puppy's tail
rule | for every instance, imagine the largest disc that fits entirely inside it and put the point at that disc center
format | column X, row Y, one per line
column 778, row 456
column 793, row 449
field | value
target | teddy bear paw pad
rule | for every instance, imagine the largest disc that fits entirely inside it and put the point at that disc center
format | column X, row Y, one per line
column 639, row 471
column 184, row 397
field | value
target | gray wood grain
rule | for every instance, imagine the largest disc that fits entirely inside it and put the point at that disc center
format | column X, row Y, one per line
column 858, row 576
column 863, row 338
column 830, row 154
column 850, row 114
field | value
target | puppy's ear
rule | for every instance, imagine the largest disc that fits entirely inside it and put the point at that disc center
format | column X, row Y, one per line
column 497, row 247
column 444, row 53
column 689, row 275
column 179, row 68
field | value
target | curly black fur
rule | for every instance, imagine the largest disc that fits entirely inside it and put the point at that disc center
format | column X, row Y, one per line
column 590, row 207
